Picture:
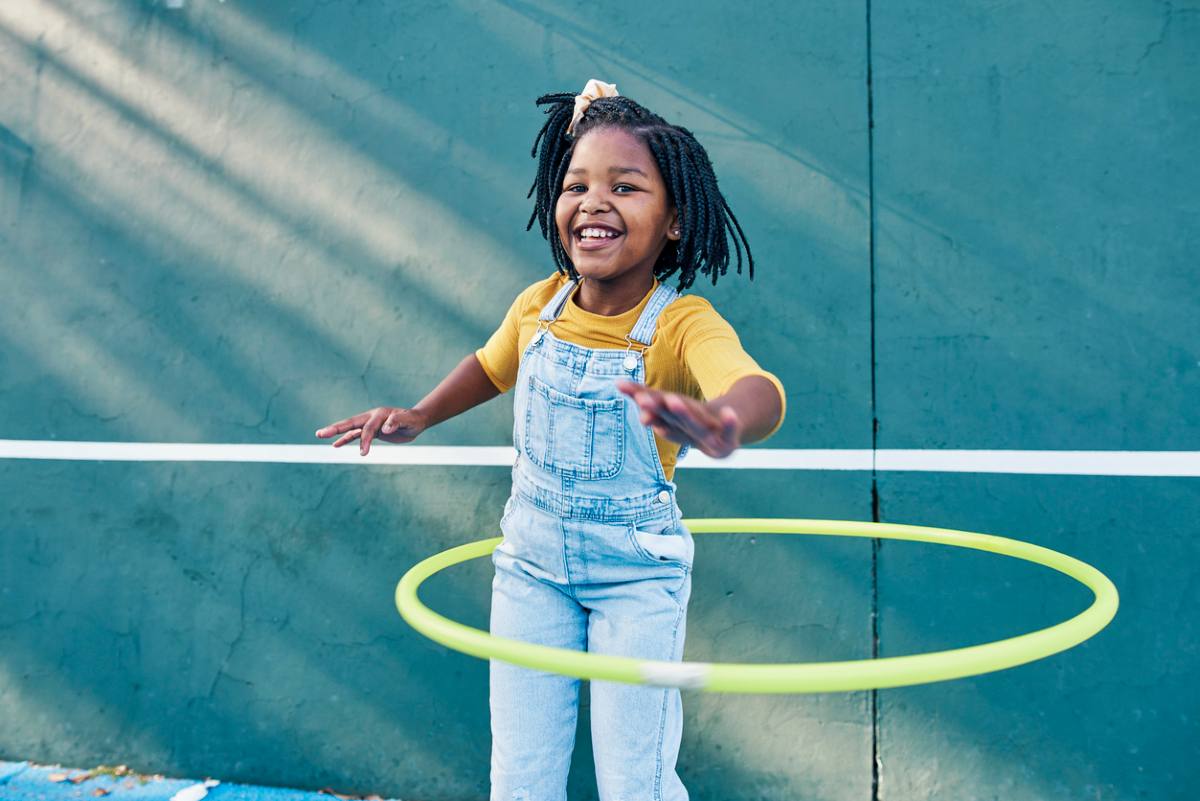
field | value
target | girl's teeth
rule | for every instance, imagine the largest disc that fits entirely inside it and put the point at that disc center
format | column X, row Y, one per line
column 589, row 233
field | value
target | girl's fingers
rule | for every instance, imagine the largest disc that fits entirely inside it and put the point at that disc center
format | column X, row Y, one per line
column 706, row 445
column 665, row 432
column 680, row 419
column 364, row 427
column 689, row 419
column 646, row 398
column 368, row 434
column 349, row 437
column 688, row 433
column 681, row 425
column 717, row 442
column 649, row 405
column 696, row 412
column 342, row 425
column 729, row 438
column 655, row 409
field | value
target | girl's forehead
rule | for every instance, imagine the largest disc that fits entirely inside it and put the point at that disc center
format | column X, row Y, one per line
column 610, row 145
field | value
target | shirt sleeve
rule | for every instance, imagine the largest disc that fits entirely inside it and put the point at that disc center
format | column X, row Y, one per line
column 716, row 359
column 500, row 357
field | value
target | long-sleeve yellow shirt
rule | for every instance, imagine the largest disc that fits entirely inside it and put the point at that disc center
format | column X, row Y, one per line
column 695, row 351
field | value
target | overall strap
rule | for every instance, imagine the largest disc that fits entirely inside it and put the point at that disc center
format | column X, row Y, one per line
column 643, row 330
column 557, row 303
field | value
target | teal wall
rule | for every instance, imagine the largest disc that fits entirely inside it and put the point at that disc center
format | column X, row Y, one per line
column 974, row 228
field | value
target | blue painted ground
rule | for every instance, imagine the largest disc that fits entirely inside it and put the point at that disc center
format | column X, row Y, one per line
column 23, row 781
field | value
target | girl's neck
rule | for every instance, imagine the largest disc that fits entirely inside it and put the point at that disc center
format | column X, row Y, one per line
column 610, row 298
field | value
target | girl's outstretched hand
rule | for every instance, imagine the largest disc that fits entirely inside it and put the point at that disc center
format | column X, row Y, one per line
column 686, row 420
column 389, row 423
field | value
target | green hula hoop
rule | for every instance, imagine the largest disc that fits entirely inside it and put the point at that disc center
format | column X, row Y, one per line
column 810, row 677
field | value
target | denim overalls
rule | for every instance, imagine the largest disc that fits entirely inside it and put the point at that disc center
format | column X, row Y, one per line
column 594, row 557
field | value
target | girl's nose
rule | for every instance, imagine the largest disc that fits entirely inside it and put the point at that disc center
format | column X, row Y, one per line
column 592, row 203
column 594, row 209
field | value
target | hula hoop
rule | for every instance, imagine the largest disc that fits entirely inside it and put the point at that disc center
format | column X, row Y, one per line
column 800, row 677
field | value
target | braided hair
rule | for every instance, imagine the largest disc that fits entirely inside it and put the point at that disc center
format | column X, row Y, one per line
column 688, row 174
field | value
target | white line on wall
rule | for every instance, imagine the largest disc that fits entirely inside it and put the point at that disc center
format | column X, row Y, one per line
column 1089, row 463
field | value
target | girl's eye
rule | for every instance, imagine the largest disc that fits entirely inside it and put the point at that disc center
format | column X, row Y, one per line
column 573, row 187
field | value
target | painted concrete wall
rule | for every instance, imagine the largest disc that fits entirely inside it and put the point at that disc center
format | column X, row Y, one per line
column 230, row 224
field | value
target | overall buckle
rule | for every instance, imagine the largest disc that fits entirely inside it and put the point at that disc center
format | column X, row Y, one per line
column 631, row 361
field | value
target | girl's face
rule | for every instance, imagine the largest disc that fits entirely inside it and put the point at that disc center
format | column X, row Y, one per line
column 613, row 183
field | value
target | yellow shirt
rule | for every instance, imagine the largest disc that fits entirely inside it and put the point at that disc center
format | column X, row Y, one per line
column 695, row 352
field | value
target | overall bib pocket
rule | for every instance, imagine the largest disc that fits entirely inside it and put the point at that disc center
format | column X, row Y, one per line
column 571, row 436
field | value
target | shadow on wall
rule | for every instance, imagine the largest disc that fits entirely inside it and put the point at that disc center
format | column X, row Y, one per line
column 224, row 344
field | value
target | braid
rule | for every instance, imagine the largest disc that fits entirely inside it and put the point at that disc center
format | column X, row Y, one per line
column 740, row 233
column 552, row 154
column 705, row 218
column 713, row 222
column 681, row 187
column 675, row 253
column 562, row 261
column 719, row 209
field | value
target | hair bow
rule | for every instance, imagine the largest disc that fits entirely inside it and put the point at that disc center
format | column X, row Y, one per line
column 592, row 90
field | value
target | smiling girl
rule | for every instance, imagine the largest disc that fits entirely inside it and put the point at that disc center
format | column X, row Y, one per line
column 615, row 375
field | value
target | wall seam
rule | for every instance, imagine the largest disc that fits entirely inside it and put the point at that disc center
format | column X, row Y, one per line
column 875, row 542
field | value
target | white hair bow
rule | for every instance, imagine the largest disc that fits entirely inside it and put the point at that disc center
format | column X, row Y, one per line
column 592, row 90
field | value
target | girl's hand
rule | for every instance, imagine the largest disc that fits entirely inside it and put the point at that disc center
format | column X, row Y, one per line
column 686, row 420
column 394, row 424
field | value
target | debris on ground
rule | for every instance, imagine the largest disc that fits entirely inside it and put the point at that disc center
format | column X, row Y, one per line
column 195, row 792
column 123, row 778
column 328, row 791
column 115, row 771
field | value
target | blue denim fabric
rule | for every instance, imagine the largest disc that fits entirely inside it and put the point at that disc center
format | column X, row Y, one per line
column 594, row 557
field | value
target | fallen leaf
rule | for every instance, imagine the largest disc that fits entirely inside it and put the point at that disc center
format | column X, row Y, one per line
column 57, row 777
column 101, row 791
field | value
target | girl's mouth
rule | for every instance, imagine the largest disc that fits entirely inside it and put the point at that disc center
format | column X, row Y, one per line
column 596, row 242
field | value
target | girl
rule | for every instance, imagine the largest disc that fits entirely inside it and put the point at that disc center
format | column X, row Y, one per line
column 615, row 374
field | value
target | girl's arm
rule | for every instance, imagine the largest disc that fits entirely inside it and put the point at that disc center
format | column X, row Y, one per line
column 756, row 402
column 744, row 414
column 465, row 387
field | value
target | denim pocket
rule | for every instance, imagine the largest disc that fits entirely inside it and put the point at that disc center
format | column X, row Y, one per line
column 509, row 507
column 662, row 542
column 572, row 436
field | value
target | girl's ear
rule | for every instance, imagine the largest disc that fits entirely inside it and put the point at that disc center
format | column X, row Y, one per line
column 673, row 229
